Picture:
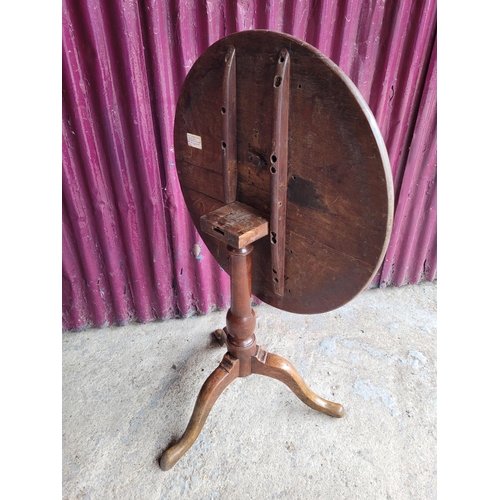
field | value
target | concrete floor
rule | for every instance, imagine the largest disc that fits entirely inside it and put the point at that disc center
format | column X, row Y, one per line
column 129, row 391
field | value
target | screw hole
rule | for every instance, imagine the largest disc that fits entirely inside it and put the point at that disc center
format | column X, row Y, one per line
column 275, row 280
column 223, row 110
column 223, row 144
column 282, row 59
column 273, row 237
column 274, row 159
column 277, row 81
column 273, row 170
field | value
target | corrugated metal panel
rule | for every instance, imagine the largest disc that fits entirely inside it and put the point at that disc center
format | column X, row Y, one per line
column 130, row 250
column 411, row 255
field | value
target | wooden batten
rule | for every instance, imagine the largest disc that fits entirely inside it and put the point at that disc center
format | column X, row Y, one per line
column 228, row 143
column 279, row 170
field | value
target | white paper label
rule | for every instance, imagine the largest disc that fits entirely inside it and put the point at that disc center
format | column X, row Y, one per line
column 194, row 140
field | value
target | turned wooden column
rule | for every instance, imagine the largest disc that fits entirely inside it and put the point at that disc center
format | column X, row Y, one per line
column 240, row 318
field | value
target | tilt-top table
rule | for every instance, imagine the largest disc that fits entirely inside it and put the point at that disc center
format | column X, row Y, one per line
column 287, row 179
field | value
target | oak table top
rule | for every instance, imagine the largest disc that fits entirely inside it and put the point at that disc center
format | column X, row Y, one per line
column 266, row 120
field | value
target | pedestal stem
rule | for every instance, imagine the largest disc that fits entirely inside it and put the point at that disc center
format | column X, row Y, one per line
column 240, row 317
column 240, row 268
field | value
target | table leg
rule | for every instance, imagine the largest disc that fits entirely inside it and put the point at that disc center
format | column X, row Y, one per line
column 279, row 368
column 220, row 378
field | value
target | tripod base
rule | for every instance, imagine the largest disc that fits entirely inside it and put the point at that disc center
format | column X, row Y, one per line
column 230, row 368
column 239, row 226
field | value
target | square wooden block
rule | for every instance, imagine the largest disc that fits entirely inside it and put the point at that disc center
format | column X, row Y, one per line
column 236, row 224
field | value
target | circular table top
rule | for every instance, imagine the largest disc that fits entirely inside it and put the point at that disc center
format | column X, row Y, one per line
column 339, row 194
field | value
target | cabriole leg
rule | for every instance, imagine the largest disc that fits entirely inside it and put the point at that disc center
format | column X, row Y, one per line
column 279, row 368
column 220, row 378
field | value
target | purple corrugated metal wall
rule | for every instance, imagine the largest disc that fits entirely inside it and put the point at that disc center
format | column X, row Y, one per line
column 130, row 250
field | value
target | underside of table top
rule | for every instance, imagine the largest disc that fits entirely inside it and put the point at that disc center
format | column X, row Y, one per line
column 258, row 95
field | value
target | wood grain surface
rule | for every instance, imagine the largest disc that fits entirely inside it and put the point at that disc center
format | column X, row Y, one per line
column 339, row 203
